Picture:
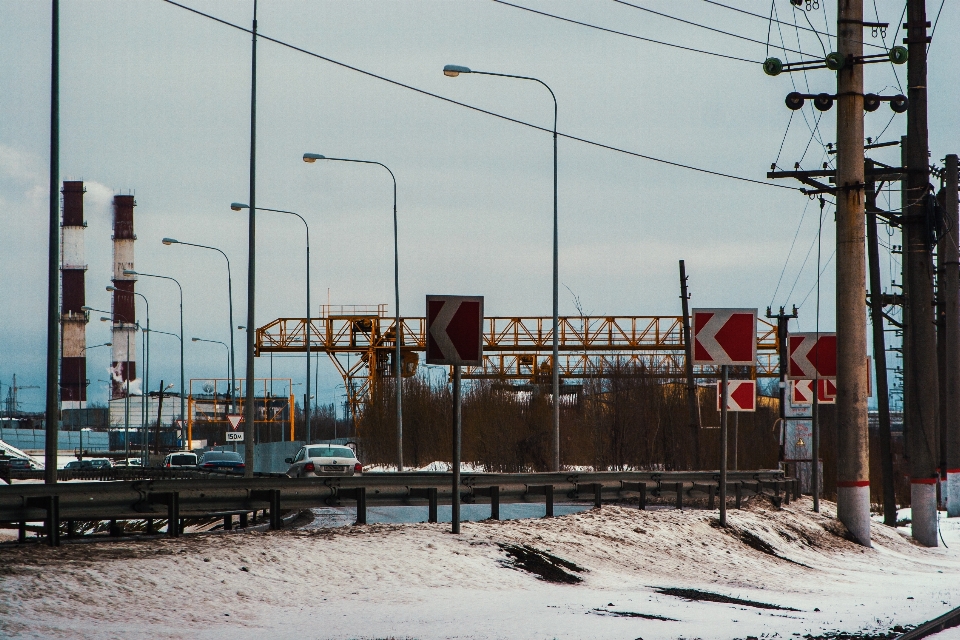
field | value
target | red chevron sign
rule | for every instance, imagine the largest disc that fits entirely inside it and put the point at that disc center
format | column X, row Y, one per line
column 801, row 391
column 741, row 395
column 455, row 330
column 812, row 355
column 725, row 336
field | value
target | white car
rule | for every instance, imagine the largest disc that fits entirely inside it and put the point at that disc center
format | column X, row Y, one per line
column 322, row 460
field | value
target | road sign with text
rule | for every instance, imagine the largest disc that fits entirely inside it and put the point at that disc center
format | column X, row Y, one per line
column 455, row 330
column 234, row 436
column 741, row 395
column 811, row 355
column 725, row 336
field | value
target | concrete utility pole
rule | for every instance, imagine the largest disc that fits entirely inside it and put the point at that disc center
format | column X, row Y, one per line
column 853, row 471
column 880, row 354
column 951, row 285
column 249, row 411
column 692, row 400
column 920, row 346
column 52, row 422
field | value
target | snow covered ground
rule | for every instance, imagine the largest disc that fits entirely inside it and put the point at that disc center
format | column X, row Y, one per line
column 419, row 581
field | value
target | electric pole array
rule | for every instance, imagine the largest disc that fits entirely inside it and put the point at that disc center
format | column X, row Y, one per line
column 950, row 284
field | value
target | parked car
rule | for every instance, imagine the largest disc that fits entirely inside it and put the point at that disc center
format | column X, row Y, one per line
column 129, row 462
column 100, row 463
column 221, row 461
column 180, row 460
column 75, row 465
column 319, row 460
column 21, row 464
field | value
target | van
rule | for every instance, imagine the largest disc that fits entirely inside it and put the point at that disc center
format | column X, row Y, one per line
column 180, row 460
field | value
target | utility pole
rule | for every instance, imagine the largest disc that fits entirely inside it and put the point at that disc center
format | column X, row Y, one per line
column 52, row 424
column 783, row 329
column 249, row 411
column 880, row 353
column 853, row 471
column 950, row 260
column 692, row 400
column 920, row 349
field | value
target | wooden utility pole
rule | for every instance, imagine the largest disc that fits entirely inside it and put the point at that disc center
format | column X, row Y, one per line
column 853, row 472
column 880, row 353
column 950, row 284
column 920, row 346
column 692, row 400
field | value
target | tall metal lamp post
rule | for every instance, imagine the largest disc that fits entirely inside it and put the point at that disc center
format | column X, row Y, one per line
column 398, row 328
column 183, row 397
column 452, row 71
column 308, row 329
column 144, row 413
column 233, row 362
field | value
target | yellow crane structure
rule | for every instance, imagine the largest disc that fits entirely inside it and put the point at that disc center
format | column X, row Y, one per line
column 361, row 342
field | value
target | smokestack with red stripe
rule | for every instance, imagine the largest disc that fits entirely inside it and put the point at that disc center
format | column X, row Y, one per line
column 124, row 310
column 73, row 319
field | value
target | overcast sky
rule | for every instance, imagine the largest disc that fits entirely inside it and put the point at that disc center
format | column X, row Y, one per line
column 155, row 101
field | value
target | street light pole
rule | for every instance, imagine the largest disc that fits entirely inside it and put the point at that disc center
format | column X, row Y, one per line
column 224, row 346
column 183, row 410
column 398, row 327
column 233, row 362
column 452, row 71
column 308, row 329
column 144, row 396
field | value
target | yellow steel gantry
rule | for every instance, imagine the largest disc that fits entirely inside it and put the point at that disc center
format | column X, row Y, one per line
column 515, row 347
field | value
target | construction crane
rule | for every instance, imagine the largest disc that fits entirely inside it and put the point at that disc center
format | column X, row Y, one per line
column 12, row 405
column 515, row 348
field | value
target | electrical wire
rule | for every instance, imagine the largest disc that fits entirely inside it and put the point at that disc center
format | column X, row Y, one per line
column 689, row 22
column 784, row 139
column 935, row 22
column 817, row 283
column 763, row 17
column 424, row 92
column 621, row 33
column 789, row 253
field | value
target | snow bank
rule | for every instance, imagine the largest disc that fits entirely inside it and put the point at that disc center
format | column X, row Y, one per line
column 418, row 580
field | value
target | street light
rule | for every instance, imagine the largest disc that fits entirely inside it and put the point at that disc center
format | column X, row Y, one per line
column 144, row 399
column 452, row 71
column 183, row 425
column 80, row 371
column 398, row 362
column 233, row 362
column 228, row 358
column 130, row 272
column 126, row 393
column 308, row 329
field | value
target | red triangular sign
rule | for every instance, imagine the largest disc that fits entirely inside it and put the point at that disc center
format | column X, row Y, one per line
column 234, row 420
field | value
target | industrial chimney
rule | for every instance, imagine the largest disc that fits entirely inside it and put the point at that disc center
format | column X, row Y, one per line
column 124, row 310
column 73, row 319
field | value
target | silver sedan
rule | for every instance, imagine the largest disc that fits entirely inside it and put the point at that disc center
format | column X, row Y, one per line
column 320, row 460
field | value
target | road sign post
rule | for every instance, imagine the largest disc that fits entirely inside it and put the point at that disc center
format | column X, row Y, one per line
column 724, row 337
column 455, row 338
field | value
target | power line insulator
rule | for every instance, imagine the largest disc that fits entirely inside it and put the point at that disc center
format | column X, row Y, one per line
column 871, row 102
column 898, row 55
column 823, row 101
column 794, row 101
column 899, row 103
column 772, row 66
column 834, row 61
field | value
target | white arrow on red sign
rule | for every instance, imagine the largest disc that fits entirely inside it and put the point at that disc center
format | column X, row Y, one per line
column 455, row 330
column 725, row 336
column 811, row 355
column 741, row 395
column 801, row 391
column 234, row 420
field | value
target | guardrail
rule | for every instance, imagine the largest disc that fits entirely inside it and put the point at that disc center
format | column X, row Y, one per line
column 174, row 499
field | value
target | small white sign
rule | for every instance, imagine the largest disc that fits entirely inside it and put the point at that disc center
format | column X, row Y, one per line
column 234, row 436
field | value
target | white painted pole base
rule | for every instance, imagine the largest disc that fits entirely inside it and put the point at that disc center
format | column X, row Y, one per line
column 923, row 505
column 953, row 493
column 853, row 510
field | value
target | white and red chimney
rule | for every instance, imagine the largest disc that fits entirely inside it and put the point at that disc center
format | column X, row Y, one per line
column 124, row 310
column 73, row 319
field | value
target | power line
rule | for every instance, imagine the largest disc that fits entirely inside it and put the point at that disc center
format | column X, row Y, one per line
column 766, row 18
column 628, row 35
column 478, row 109
column 691, row 23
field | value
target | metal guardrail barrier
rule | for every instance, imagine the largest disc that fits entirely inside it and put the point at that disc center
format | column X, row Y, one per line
column 192, row 497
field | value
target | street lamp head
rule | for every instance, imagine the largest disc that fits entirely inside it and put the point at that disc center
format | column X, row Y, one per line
column 194, row 339
column 453, row 70
column 313, row 157
column 87, row 308
column 102, row 319
column 170, row 241
column 237, row 206
column 110, row 287
column 169, row 386
column 130, row 272
column 108, row 344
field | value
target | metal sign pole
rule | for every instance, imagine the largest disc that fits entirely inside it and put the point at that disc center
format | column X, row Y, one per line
column 455, row 507
column 724, row 372
column 815, row 426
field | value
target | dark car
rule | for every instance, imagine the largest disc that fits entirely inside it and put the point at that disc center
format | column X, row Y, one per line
column 221, row 461
column 21, row 464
